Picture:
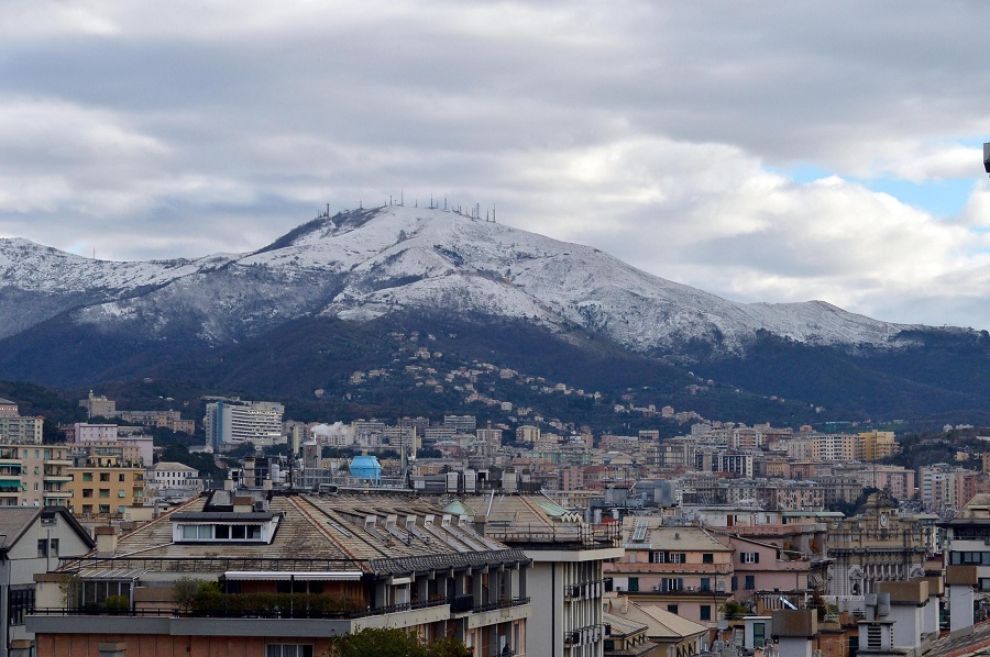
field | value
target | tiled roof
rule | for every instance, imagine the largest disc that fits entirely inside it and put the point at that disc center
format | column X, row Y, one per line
column 369, row 532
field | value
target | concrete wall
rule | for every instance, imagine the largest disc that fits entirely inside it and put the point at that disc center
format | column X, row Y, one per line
column 960, row 607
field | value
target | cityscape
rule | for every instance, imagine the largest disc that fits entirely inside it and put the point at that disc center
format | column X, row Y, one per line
column 512, row 540
column 501, row 328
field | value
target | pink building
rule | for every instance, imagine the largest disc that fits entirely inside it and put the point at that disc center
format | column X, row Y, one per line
column 684, row 570
column 758, row 567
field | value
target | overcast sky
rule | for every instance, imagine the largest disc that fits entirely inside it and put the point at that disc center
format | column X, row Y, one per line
column 762, row 151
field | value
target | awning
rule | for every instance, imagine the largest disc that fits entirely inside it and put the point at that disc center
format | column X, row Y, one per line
column 299, row 576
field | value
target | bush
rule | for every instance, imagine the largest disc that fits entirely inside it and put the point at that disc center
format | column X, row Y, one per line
column 117, row 604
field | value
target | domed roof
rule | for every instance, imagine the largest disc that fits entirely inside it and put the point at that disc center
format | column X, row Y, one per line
column 365, row 467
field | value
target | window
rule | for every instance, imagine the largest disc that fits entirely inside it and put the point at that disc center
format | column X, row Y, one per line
column 633, row 584
column 668, row 584
column 42, row 547
column 759, row 635
column 122, row 493
column 706, row 583
column 750, row 557
column 53, row 547
column 104, row 508
column 21, row 601
column 735, row 583
column 87, row 492
column 706, row 612
column 197, row 532
column 104, row 476
column 104, row 492
column 707, row 557
column 750, row 582
column 288, row 650
column 87, row 509
column 121, row 477
column 672, row 609
column 87, row 476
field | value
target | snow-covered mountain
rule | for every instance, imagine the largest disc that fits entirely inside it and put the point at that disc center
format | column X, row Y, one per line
column 363, row 264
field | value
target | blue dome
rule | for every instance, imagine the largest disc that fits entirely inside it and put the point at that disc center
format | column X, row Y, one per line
column 366, row 467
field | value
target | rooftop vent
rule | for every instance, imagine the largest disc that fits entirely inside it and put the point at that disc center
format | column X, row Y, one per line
column 370, row 522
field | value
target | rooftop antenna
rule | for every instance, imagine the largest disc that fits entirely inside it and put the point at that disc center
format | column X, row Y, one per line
column 493, row 212
column 402, row 197
column 986, row 156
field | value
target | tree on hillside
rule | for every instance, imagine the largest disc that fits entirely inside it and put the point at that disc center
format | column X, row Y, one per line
column 393, row 643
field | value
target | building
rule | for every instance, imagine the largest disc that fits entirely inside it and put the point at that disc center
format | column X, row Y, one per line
column 32, row 540
column 967, row 560
column 18, row 430
column 286, row 573
column 877, row 445
column 461, row 423
column 98, row 406
column 171, row 420
column 666, row 634
column 169, row 480
column 35, row 475
column 684, row 569
column 105, row 487
column 566, row 581
column 232, row 422
column 8, row 408
column 527, row 433
column 937, row 487
column 763, row 568
column 878, row 546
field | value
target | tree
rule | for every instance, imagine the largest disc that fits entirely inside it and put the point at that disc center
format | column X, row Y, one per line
column 393, row 643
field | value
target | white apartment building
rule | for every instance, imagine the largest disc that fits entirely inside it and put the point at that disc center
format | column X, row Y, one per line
column 173, row 481
column 231, row 422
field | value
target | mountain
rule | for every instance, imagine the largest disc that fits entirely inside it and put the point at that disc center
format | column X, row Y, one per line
column 69, row 320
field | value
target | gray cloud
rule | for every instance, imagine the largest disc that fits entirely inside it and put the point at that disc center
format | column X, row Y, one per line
column 651, row 130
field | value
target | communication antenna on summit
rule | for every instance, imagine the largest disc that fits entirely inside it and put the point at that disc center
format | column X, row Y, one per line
column 986, row 156
column 402, row 198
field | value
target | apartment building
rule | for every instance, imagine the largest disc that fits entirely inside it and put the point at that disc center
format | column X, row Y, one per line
column 105, row 487
column 7, row 408
column 35, row 475
column 566, row 581
column 15, row 429
column 171, row 420
column 285, row 574
column 172, row 481
column 232, row 422
column 684, row 569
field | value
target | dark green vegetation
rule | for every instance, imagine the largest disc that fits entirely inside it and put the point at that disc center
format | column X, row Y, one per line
column 927, row 448
column 944, row 378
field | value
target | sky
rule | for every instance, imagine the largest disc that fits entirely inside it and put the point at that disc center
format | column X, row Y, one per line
column 761, row 151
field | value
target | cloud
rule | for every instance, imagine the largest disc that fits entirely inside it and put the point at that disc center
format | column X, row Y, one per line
column 654, row 131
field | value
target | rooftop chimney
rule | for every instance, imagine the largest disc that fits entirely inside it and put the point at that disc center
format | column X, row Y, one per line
column 106, row 540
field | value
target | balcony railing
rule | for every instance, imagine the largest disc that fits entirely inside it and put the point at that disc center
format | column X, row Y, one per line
column 557, row 533
column 284, row 610
column 501, row 604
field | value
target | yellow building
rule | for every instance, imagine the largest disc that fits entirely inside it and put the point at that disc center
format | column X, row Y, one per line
column 103, row 487
column 878, row 445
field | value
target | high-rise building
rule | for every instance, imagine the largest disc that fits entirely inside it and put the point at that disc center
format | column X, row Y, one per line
column 232, row 422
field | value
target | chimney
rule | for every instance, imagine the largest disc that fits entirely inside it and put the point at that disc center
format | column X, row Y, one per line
column 907, row 609
column 795, row 630
column 106, row 540
column 961, row 582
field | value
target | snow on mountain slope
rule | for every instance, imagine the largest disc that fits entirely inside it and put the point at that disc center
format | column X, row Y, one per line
column 402, row 258
column 367, row 263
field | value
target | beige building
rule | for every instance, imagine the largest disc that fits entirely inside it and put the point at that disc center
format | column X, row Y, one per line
column 21, row 430
column 34, row 475
column 103, row 487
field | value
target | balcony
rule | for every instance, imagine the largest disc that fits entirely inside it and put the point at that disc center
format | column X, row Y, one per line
column 57, row 494
column 585, row 590
column 283, row 623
